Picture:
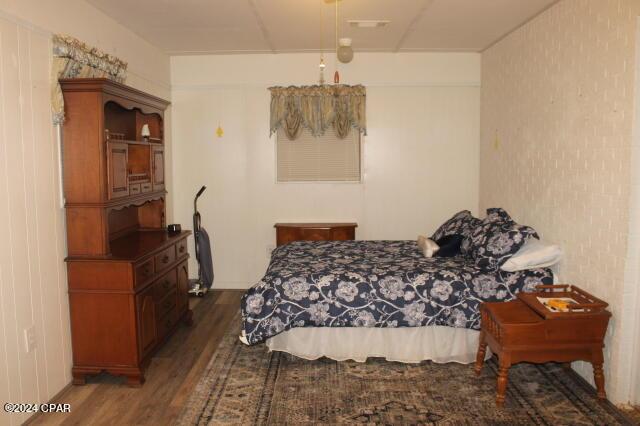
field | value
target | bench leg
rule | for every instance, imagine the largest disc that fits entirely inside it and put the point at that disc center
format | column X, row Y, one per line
column 598, row 376
column 503, row 375
column 482, row 351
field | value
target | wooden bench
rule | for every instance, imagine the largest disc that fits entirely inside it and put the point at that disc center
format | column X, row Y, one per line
column 525, row 330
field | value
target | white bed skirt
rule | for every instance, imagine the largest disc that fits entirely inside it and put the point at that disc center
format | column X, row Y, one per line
column 439, row 344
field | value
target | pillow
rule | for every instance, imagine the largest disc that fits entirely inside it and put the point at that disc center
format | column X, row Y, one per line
column 533, row 254
column 449, row 245
column 462, row 223
column 497, row 239
column 428, row 246
column 496, row 214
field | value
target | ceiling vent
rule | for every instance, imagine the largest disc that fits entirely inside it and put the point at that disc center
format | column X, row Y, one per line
column 368, row 23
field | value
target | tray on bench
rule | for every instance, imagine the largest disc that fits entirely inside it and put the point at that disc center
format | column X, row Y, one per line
column 587, row 304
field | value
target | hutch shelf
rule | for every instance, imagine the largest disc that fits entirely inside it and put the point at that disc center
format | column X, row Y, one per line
column 128, row 277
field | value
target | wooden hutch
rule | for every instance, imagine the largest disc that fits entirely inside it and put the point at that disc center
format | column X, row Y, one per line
column 128, row 277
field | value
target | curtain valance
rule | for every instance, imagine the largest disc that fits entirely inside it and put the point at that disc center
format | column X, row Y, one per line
column 318, row 107
column 74, row 59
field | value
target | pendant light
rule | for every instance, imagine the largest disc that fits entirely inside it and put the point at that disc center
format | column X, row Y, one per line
column 345, row 52
column 322, row 65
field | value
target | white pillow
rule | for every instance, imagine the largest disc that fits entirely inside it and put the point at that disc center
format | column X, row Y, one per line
column 532, row 255
column 428, row 246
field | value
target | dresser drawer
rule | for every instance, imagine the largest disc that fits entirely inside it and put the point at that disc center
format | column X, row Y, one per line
column 164, row 285
column 288, row 232
column 165, row 258
column 181, row 248
column 134, row 188
column 144, row 271
column 314, row 234
column 145, row 187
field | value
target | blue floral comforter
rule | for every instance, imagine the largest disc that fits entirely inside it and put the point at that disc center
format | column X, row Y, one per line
column 373, row 284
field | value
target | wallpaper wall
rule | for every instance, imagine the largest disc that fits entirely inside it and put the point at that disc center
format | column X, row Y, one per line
column 556, row 137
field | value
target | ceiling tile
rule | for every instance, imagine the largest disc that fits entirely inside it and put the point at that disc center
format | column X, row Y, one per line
column 469, row 24
column 234, row 26
column 294, row 25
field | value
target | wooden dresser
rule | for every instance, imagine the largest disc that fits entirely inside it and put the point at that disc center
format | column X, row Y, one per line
column 288, row 232
column 128, row 277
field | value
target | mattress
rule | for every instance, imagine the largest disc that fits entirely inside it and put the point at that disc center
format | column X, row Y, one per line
column 373, row 284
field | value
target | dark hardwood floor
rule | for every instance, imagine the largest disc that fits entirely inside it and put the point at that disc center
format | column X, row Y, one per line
column 173, row 373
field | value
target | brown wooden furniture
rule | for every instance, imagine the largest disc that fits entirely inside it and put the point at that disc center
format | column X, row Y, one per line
column 128, row 278
column 288, row 232
column 524, row 330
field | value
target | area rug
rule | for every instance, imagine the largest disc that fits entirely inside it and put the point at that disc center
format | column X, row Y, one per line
column 249, row 385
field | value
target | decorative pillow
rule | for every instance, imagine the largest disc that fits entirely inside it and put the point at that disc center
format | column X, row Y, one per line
column 497, row 239
column 462, row 223
column 449, row 245
column 428, row 246
column 496, row 214
column 533, row 254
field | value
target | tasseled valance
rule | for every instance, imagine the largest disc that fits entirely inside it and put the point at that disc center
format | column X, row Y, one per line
column 318, row 107
column 74, row 59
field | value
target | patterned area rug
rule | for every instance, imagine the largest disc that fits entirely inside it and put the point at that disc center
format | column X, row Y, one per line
column 249, row 385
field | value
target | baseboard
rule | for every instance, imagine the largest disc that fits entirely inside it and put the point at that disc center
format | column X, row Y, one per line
column 231, row 285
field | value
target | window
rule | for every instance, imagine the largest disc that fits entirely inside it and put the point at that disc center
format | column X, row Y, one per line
column 323, row 159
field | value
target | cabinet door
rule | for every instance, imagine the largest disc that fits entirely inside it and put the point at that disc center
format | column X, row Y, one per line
column 146, row 313
column 183, row 287
column 117, row 154
column 157, row 160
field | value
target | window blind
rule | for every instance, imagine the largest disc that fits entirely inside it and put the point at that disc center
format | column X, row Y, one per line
column 323, row 159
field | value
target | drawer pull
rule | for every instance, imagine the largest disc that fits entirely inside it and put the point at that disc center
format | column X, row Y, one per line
column 165, row 259
column 181, row 249
column 146, row 270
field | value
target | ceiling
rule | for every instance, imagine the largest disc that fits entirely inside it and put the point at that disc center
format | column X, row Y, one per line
column 181, row 27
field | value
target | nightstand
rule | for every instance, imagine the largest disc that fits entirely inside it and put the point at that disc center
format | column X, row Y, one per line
column 288, row 232
column 524, row 330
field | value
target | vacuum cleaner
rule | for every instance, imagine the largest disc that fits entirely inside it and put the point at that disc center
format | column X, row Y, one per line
column 200, row 286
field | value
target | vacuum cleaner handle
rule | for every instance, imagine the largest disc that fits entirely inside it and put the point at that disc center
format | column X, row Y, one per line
column 201, row 191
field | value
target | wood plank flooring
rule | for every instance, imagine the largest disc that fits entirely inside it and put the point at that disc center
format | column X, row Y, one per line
column 173, row 373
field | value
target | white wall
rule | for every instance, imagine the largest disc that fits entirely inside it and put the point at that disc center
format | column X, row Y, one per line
column 556, row 145
column 631, row 310
column 420, row 156
column 33, row 286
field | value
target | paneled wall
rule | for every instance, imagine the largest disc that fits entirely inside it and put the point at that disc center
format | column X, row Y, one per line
column 420, row 157
column 557, row 113
column 33, row 286
column 32, row 274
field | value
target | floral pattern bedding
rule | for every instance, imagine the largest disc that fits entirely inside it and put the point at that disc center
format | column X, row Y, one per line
column 373, row 284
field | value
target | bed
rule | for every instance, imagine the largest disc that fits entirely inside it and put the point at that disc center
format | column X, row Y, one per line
column 356, row 299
